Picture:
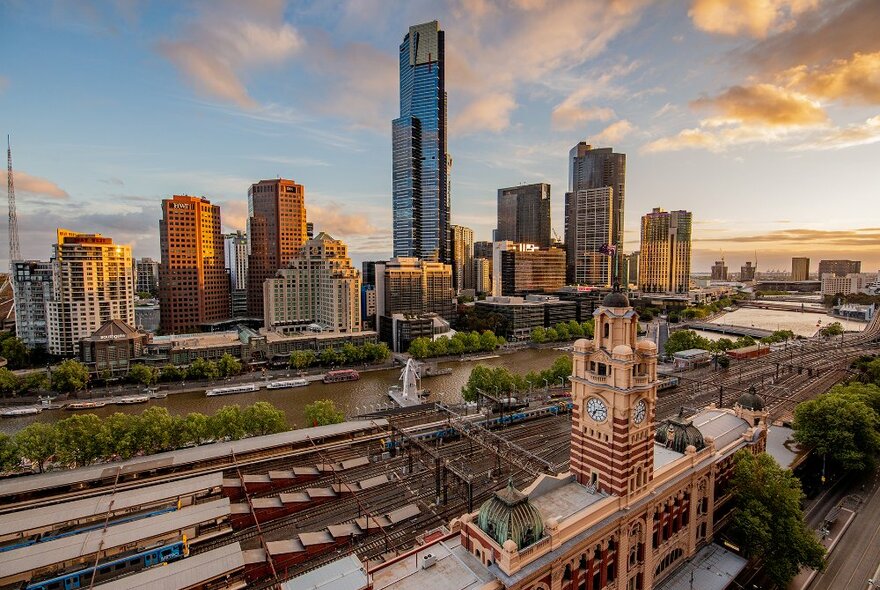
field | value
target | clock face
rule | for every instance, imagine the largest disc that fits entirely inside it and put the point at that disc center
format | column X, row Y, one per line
column 640, row 412
column 596, row 409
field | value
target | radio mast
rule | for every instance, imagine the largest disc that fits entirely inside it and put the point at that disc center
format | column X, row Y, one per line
column 14, row 253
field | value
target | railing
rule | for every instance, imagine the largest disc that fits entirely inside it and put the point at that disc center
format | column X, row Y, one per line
column 534, row 547
column 595, row 378
column 641, row 380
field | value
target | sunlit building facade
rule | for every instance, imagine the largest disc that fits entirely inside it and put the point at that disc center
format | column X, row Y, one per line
column 665, row 255
column 524, row 214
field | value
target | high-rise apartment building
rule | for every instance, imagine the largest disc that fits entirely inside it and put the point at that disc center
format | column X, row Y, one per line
column 147, row 276
column 632, row 268
column 420, row 162
column 524, row 214
column 413, row 286
column 747, row 272
column 276, row 231
column 589, row 216
column 310, row 230
column 800, row 269
column 236, row 262
column 483, row 275
column 483, row 250
column 847, row 284
column 193, row 282
column 839, row 268
column 665, row 255
column 462, row 257
column 523, row 269
column 318, row 286
column 590, row 169
column 92, row 282
column 719, row 271
column 368, row 272
column 32, row 280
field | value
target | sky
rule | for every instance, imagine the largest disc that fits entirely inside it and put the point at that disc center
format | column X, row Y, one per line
column 762, row 117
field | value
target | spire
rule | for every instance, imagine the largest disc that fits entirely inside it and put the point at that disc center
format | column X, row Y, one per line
column 14, row 253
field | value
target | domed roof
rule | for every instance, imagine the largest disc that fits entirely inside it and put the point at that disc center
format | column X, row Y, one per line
column 678, row 435
column 646, row 346
column 508, row 516
column 750, row 400
column 622, row 350
column 616, row 299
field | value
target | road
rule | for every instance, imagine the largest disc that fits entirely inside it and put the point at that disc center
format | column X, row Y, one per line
column 857, row 554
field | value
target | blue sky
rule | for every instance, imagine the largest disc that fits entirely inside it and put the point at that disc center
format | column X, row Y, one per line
column 762, row 117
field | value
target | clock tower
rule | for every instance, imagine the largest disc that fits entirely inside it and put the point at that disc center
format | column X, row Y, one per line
column 614, row 391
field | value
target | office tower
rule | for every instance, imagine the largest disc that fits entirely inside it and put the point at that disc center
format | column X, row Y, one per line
column 462, row 257
column 483, row 250
column 589, row 215
column 368, row 306
column 193, row 283
column 276, row 231
column 32, row 280
column 747, row 272
column 318, row 286
column 665, row 255
column 800, row 269
column 420, row 162
column 92, row 283
column 632, row 268
column 413, row 286
column 483, row 275
column 522, row 269
column 719, row 271
column 524, row 214
column 839, row 268
column 236, row 262
column 147, row 276
column 310, row 230
column 368, row 271
column 588, row 169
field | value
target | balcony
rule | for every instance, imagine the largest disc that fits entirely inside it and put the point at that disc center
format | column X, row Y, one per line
column 596, row 378
column 641, row 380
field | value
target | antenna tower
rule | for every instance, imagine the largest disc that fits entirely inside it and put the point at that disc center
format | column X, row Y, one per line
column 14, row 253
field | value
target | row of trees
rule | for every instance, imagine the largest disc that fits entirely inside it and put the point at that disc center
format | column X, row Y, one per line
column 460, row 343
column 71, row 375
column 83, row 439
column 688, row 339
column 500, row 382
column 562, row 332
column 347, row 354
column 323, row 412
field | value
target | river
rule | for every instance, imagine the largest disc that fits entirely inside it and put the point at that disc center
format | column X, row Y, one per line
column 801, row 323
column 352, row 397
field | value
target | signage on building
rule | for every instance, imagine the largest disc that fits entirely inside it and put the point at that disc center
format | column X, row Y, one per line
column 290, row 189
column 180, row 205
column 111, row 336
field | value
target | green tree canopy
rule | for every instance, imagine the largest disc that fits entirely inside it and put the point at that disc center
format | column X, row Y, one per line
column 196, row 428
column 228, row 365
column 419, row 348
column 79, row 442
column 263, row 418
column 119, row 434
column 302, row 359
column 227, row 423
column 9, row 453
column 539, row 335
column 37, row 442
column 202, row 369
column 8, row 381
column 832, row 329
column 143, row 374
column 323, row 412
column 14, row 351
column 686, row 340
column 172, row 373
column 768, row 521
column 36, row 381
column 71, row 375
column 842, row 424
column 155, row 430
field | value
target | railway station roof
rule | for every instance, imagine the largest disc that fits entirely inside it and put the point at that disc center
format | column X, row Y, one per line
column 179, row 457
column 454, row 568
column 23, row 521
column 190, row 572
column 723, row 426
column 59, row 551
column 713, row 568
column 346, row 573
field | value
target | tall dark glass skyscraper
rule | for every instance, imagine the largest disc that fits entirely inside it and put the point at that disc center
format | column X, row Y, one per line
column 420, row 163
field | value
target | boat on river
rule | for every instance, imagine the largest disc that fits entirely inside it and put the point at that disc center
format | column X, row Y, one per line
column 87, row 405
column 132, row 399
column 233, row 389
column 18, row 412
column 341, row 375
column 287, row 383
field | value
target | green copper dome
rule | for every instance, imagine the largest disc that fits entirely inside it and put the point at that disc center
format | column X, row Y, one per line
column 678, row 435
column 508, row 515
column 750, row 400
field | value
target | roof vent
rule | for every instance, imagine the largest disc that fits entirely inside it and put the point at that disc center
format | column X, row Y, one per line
column 428, row 559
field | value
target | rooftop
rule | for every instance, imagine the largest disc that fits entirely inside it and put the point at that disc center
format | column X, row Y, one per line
column 723, row 426
column 560, row 497
column 713, row 568
column 690, row 353
column 346, row 573
column 454, row 568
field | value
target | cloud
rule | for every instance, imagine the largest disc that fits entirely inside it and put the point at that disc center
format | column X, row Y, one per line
column 850, row 136
column 862, row 237
column 854, row 80
column 614, row 133
column 34, row 185
column 567, row 115
column 762, row 104
column 489, row 113
column 222, row 43
column 331, row 217
column 756, row 18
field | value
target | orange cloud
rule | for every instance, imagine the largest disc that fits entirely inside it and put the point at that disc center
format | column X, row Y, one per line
column 488, row 113
column 614, row 133
column 849, row 136
column 763, row 104
column 34, row 185
column 568, row 114
column 331, row 218
column 756, row 18
column 854, row 80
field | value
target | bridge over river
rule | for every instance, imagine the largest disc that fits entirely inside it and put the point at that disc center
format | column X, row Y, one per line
column 756, row 333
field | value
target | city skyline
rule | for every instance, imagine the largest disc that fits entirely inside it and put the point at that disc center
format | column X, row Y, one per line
column 157, row 103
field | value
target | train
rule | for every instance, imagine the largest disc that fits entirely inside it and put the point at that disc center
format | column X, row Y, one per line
column 114, row 568
column 448, row 432
column 666, row 382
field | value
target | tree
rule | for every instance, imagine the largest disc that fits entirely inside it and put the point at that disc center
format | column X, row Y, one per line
column 8, row 381
column 228, row 365
column 455, row 345
column 351, row 353
column 552, row 335
column 496, row 381
column 562, row 332
column 263, row 418
column 202, row 369
column 71, row 375
column 155, row 430
column 842, row 425
column 489, row 341
column 172, row 373
column 588, row 328
column 227, row 423
column 380, row 352
column 323, row 412
column 79, row 440
column 302, row 359
column 196, row 428
column 330, row 357
column 778, row 336
column 10, row 458
column 539, row 335
column 832, row 329
column 686, row 340
column 420, row 348
column 768, row 520
column 473, row 341
column 37, row 442
column 120, row 436
column 15, row 352
column 143, row 374
column 575, row 330
column 723, row 361
column 36, row 381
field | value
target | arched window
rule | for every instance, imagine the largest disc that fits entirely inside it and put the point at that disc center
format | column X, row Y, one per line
column 606, row 329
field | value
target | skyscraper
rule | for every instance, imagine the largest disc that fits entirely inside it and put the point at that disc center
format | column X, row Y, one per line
column 595, row 168
column 193, row 283
column 462, row 257
column 33, row 288
column 719, row 270
column 146, row 276
column 665, row 255
column 524, row 214
column 839, row 268
column 236, row 253
column 420, row 162
column 276, row 231
column 92, row 282
column 747, row 272
column 800, row 268
column 588, row 227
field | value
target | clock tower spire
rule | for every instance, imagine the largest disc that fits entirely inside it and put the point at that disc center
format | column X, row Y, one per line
column 614, row 391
